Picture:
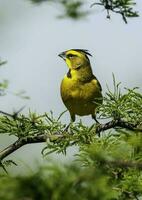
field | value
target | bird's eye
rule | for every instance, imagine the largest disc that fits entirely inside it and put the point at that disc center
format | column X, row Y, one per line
column 70, row 56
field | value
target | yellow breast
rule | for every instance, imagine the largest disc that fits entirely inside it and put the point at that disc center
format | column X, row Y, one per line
column 79, row 97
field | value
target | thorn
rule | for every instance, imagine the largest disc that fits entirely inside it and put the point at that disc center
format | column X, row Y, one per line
column 15, row 114
column 3, row 168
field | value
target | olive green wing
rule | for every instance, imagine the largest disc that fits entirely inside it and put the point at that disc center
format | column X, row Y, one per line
column 98, row 83
column 98, row 98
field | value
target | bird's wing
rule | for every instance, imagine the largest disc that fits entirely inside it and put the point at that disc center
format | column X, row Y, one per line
column 98, row 83
column 98, row 99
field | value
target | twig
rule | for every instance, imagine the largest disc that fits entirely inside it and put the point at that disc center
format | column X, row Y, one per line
column 14, row 115
column 124, row 164
column 5, row 113
column 115, row 124
column 118, row 9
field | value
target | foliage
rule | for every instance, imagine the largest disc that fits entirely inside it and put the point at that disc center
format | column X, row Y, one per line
column 126, row 106
column 106, row 167
column 88, row 177
column 75, row 9
column 72, row 9
column 3, row 83
column 122, row 7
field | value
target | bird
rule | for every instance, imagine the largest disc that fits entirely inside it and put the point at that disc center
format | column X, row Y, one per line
column 80, row 90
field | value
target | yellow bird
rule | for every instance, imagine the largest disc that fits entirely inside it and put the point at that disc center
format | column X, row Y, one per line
column 80, row 89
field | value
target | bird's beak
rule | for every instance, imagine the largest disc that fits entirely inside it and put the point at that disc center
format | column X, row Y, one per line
column 62, row 55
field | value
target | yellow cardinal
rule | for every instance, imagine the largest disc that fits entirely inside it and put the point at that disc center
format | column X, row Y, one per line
column 80, row 89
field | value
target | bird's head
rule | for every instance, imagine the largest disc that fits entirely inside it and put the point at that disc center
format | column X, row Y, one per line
column 76, row 58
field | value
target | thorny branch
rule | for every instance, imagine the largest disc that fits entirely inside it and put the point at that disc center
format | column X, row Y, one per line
column 38, row 138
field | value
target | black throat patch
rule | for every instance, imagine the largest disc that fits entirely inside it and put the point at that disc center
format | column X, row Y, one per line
column 69, row 74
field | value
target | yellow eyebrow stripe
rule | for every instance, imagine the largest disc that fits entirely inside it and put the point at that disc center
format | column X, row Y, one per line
column 74, row 53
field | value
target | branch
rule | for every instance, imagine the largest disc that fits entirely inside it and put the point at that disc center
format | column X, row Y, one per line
column 117, row 123
column 43, row 137
column 23, row 141
column 123, row 164
column 14, row 115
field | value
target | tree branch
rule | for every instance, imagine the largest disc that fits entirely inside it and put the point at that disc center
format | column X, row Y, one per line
column 124, row 164
column 23, row 141
column 116, row 123
column 43, row 137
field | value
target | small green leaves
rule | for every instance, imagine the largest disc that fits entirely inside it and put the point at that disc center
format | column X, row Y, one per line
column 123, row 7
column 3, row 86
column 71, row 9
column 118, row 105
column 75, row 9
column 2, row 62
column 22, row 94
